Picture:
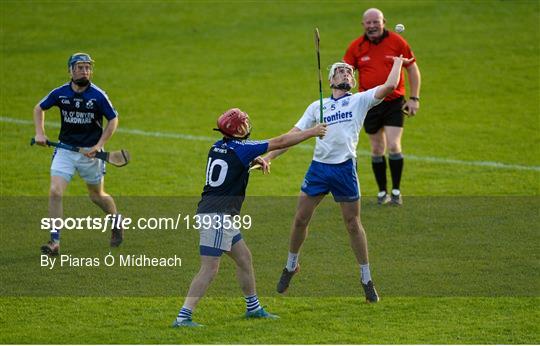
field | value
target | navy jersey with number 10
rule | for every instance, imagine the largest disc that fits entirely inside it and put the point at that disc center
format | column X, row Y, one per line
column 227, row 175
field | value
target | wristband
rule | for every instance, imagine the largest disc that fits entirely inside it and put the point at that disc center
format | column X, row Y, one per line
column 414, row 98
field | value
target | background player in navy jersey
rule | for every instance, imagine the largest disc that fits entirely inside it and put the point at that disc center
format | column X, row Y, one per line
column 333, row 168
column 227, row 175
column 82, row 108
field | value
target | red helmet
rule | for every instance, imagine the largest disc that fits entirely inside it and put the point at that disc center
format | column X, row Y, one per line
column 234, row 123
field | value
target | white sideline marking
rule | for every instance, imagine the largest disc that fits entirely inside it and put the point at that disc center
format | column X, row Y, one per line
column 490, row 164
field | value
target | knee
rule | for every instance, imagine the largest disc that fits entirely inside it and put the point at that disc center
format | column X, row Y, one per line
column 209, row 271
column 377, row 148
column 301, row 222
column 212, row 271
column 96, row 196
column 245, row 262
column 394, row 148
column 56, row 191
column 247, row 258
column 352, row 224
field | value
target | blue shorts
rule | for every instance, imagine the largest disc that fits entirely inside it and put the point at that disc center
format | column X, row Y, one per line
column 340, row 179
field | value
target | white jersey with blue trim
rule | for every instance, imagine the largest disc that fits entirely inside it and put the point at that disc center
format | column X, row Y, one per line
column 345, row 118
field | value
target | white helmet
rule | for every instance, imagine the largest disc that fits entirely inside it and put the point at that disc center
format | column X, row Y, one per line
column 332, row 73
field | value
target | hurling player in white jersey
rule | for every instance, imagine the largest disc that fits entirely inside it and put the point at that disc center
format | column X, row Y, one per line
column 333, row 168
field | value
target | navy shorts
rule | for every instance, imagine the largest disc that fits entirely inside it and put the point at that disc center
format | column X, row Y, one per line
column 339, row 179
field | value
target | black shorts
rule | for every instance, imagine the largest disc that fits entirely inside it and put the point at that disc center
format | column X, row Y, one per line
column 387, row 113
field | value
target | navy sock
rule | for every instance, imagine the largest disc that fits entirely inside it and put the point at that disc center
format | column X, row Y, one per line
column 55, row 235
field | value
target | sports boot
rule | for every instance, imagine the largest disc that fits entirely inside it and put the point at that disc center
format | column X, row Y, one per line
column 261, row 313
column 51, row 248
column 117, row 236
column 285, row 279
column 371, row 292
column 396, row 198
column 185, row 323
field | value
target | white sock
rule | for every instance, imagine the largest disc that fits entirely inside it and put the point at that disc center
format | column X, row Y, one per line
column 292, row 261
column 365, row 274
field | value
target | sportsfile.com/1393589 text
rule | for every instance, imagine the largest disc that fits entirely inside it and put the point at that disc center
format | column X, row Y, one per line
column 180, row 222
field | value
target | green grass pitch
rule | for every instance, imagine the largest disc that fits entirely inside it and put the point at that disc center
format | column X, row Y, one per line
column 457, row 264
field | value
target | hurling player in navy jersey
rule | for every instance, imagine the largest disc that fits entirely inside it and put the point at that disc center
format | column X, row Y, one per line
column 227, row 175
column 333, row 168
column 82, row 108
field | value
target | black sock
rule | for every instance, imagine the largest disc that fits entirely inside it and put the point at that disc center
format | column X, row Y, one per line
column 378, row 164
column 396, row 168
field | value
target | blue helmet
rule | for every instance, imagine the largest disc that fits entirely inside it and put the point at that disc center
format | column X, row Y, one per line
column 79, row 57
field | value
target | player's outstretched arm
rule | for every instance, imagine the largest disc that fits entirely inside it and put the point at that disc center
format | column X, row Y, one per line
column 39, row 123
column 275, row 153
column 294, row 137
column 393, row 78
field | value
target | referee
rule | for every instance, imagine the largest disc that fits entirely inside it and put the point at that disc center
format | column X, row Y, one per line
column 371, row 55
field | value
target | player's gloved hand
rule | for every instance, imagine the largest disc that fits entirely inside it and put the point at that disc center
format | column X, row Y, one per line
column 41, row 140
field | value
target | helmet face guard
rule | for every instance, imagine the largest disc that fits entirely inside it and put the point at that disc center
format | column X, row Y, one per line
column 338, row 68
column 234, row 123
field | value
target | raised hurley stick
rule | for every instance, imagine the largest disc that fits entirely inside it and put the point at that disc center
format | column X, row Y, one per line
column 317, row 48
